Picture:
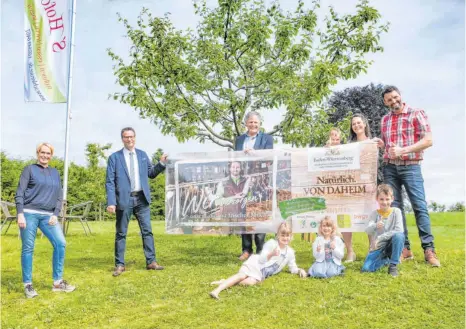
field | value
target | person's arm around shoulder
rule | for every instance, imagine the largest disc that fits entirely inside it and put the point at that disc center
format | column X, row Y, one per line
column 294, row 269
column 19, row 196
column 110, row 184
column 154, row 169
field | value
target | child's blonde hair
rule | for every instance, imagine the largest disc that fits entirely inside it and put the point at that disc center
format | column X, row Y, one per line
column 336, row 130
column 284, row 228
column 327, row 221
column 384, row 189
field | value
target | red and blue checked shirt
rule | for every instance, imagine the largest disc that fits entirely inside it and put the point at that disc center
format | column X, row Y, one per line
column 404, row 129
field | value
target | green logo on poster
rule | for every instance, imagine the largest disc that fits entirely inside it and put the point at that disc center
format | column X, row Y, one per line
column 313, row 224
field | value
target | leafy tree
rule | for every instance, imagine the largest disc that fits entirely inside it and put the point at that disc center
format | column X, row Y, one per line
column 11, row 170
column 436, row 207
column 244, row 55
column 95, row 152
column 84, row 183
column 457, row 207
column 157, row 207
column 157, row 155
column 319, row 127
column 157, row 188
column 366, row 100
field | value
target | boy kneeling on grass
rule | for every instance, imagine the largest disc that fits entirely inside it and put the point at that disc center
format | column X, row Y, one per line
column 386, row 227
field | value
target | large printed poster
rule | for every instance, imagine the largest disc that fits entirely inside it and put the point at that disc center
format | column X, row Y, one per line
column 226, row 192
column 234, row 192
column 338, row 181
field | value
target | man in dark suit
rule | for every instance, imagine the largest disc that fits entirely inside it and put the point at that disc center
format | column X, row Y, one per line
column 253, row 139
column 128, row 193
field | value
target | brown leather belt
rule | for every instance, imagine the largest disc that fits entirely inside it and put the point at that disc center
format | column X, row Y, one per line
column 398, row 162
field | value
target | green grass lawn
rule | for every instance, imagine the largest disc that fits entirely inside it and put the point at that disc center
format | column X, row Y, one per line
column 421, row 297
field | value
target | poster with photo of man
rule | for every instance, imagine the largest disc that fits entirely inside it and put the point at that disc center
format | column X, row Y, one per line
column 226, row 192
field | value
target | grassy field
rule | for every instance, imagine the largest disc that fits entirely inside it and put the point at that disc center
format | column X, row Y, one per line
column 421, row 297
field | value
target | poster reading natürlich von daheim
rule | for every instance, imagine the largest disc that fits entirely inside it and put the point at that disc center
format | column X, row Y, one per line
column 338, row 181
column 226, row 192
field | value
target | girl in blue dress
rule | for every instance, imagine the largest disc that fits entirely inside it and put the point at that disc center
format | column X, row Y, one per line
column 328, row 250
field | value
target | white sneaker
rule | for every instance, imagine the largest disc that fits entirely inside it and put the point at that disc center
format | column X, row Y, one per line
column 29, row 291
column 63, row 286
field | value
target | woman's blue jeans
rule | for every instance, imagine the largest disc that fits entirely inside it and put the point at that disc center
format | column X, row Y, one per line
column 28, row 236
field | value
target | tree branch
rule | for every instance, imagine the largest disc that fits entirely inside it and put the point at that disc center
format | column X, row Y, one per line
column 228, row 143
column 211, row 102
column 207, row 127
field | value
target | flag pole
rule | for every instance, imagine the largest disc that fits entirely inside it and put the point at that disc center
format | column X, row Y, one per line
column 68, row 112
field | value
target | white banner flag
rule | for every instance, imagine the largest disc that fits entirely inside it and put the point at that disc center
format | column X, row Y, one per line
column 47, row 31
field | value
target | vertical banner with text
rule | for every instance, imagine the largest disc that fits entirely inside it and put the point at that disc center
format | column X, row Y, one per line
column 47, row 30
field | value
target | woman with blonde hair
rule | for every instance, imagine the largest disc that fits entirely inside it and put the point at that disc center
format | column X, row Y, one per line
column 38, row 200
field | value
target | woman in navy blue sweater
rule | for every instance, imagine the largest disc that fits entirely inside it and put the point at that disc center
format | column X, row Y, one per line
column 39, row 199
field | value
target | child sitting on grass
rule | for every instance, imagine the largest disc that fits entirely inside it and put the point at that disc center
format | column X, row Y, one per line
column 328, row 250
column 275, row 255
column 386, row 227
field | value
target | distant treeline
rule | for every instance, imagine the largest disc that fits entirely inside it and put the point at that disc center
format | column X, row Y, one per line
column 85, row 183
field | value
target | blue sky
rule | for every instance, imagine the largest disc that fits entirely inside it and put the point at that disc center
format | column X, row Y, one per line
column 424, row 57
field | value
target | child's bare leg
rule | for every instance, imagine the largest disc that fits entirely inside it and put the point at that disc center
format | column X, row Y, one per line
column 231, row 281
column 348, row 237
column 249, row 281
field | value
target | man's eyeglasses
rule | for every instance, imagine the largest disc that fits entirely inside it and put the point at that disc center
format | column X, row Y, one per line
column 129, row 137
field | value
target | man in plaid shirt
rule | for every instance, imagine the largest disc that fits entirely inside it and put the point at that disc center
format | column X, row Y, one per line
column 406, row 133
